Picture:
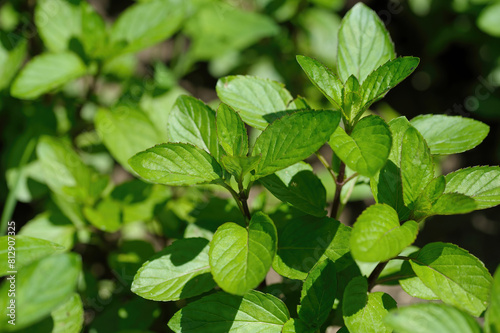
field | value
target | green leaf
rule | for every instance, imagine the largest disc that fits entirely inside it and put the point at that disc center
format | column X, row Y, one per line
column 293, row 138
column 24, row 251
column 363, row 311
column 304, row 242
column 222, row 312
column 417, row 167
column 431, row 193
column 11, row 58
column 180, row 271
column 488, row 18
column 45, row 73
column 450, row 134
column 68, row 318
column 454, row 275
column 65, row 173
column 453, row 204
column 492, row 317
column 143, row 24
column 386, row 77
column 231, row 131
column 378, row 236
column 125, row 132
column 351, row 99
column 398, row 127
column 298, row 186
column 318, row 293
column 412, row 284
column 239, row 166
column 58, row 22
column 431, row 317
column 192, row 121
column 482, row 183
column 41, row 287
column 364, row 43
column 240, row 258
column 50, row 226
column 295, row 325
column 94, row 33
column 367, row 148
column 176, row 164
column 106, row 216
column 324, row 79
column 255, row 99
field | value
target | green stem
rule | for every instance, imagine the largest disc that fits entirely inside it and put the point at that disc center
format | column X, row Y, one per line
column 372, row 279
column 242, row 204
column 10, row 203
column 335, row 212
column 323, row 161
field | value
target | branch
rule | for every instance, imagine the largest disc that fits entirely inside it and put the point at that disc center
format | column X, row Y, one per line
column 338, row 190
column 372, row 279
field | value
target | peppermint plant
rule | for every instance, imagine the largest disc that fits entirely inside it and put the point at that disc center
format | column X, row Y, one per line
column 219, row 279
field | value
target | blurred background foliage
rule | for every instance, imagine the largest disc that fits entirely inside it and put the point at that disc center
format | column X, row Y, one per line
column 99, row 79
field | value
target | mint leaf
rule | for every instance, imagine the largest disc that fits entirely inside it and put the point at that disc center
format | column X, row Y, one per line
column 106, row 216
column 318, row 293
column 452, row 204
column 255, row 99
column 482, row 183
column 176, row 164
column 450, row 134
column 181, row 270
column 417, row 166
column 68, row 317
column 231, row 131
column 367, row 148
column 303, row 242
column 431, row 193
column 293, row 138
column 454, row 275
column 143, row 24
column 222, row 312
column 487, row 20
column 192, row 121
column 378, row 236
column 45, row 73
column 239, row 166
column 492, row 317
column 125, row 132
column 27, row 249
column 363, row 311
column 295, row 325
column 42, row 286
column 241, row 258
column 386, row 77
column 431, row 317
column 298, row 186
column 412, row 284
column 364, row 43
column 11, row 59
column 351, row 99
column 324, row 79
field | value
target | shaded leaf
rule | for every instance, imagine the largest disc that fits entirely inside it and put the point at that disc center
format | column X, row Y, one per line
column 231, row 131
column 492, row 317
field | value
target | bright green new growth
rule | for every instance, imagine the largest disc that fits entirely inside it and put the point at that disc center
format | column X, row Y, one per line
column 397, row 158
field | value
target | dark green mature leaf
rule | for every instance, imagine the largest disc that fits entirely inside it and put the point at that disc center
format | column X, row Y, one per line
column 324, row 79
column 431, row 317
column 58, row 21
column 378, row 236
column 179, row 271
column 386, row 77
column 293, row 138
column 176, row 164
column 239, row 166
column 367, row 148
column 318, row 293
column 454, row 275
column 482, row 183
column 492, row 317
column 304, row 242
column 240, row 258
column 125, row 132
column 364, row 43
column 45, row 73
column 25, row 251
column 231, row 131
column 42, row 287
column 65, row 173
column 363, row 311
column 417, row 167
column 450, row 134
column 255, row 99
column 192, row 121
column 222, row 312
column 143, row 25
column 298, row 186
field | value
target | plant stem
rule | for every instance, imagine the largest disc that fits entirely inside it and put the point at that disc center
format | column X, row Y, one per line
column 323, row 161
column 372, row 279
column 338, row 190
column 241, row 201
column 10, row 203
